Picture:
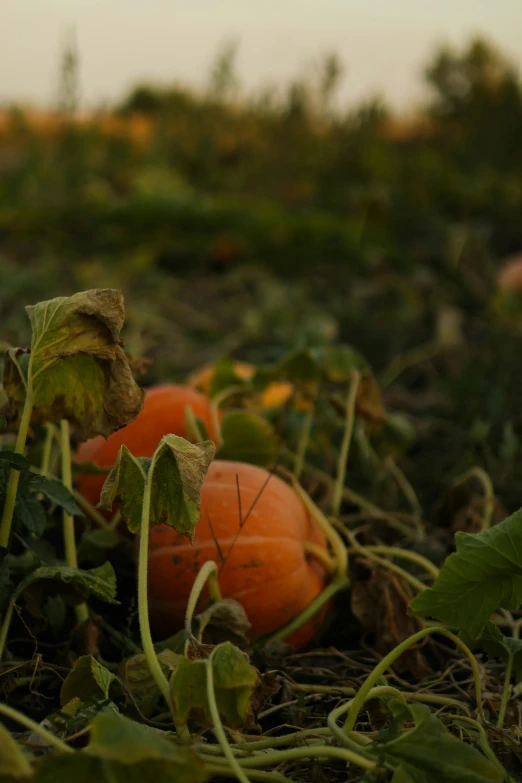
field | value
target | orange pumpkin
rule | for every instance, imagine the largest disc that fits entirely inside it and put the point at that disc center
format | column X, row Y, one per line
column 163, row 414
column 275, row 394
column 266, row 567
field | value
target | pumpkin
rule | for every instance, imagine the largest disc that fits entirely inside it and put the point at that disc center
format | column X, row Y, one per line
column 275, row 394
column 266, row 566
column 163, row 414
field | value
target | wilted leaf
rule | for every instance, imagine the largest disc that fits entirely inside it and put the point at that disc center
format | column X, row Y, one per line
column 380, row 604
column 248, row 437
column 123, row 751
column 88, row 681
column 234, row 683
column 76, row 364
column 135, row 674
column 70, row 582
column 178, row 470
column 125, row 485
column 369, row 402
column 429, row 754
column 484, row 574
column 496, row 645
column 224, row 621
column 14, row 765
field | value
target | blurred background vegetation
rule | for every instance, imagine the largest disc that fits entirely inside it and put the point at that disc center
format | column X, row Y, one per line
column 250, row 224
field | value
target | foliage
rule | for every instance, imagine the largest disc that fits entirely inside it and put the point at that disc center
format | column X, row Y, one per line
column 349, row 256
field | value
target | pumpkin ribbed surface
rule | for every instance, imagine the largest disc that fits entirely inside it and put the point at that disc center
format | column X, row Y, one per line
column 266, row 568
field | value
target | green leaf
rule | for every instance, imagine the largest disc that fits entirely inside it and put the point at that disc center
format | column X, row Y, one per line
column 483, row 575
column 225, row 376
column 14, row 765
column 179, row 469
column 429, row 754
column 31, row 514
column 248, row 437
column 339, row 362
column 125, row 485
column 176, row 473
column 70, row 582
column 77, row 364
column 234, row 683
column 56, row 492
column 496, row 645
column 123, row 751
column 17, row 461
column 88, row 681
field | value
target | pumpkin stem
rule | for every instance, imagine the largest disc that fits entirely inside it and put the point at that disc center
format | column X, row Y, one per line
column 311, row 610
column 332, row 536
column 313, row 550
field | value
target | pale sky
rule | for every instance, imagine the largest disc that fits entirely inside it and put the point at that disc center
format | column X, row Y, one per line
column 383, row 43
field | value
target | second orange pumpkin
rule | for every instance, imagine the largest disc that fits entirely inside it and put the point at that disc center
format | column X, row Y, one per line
column 163, row 414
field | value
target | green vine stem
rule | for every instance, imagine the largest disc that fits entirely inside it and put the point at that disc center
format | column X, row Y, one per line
column 207, row 573
column 424, row 698
column 14, row 475
column 13, row 714
column 216, row 424
column 143, row 605
column 404, row 486
column 91, row 512
column 311, row 610
column 331, row 534
column 69, row 540
column 339, row 733
column 218, row 726
column 277, row 757
column 47, row 448
column 406, row 554
column 489, row 493
column 483, row 739
column 388, row 660
column 411, row 358
column 304, row 440
column 219, row 770
column 345, row 444
column 357, row 500
column 412, row 580
column 505, row 692
column 274, row 742
column 320, row 554
column 191, row 423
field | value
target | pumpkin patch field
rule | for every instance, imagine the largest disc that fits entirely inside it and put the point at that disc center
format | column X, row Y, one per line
column 261, row 437
column 233, row 576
